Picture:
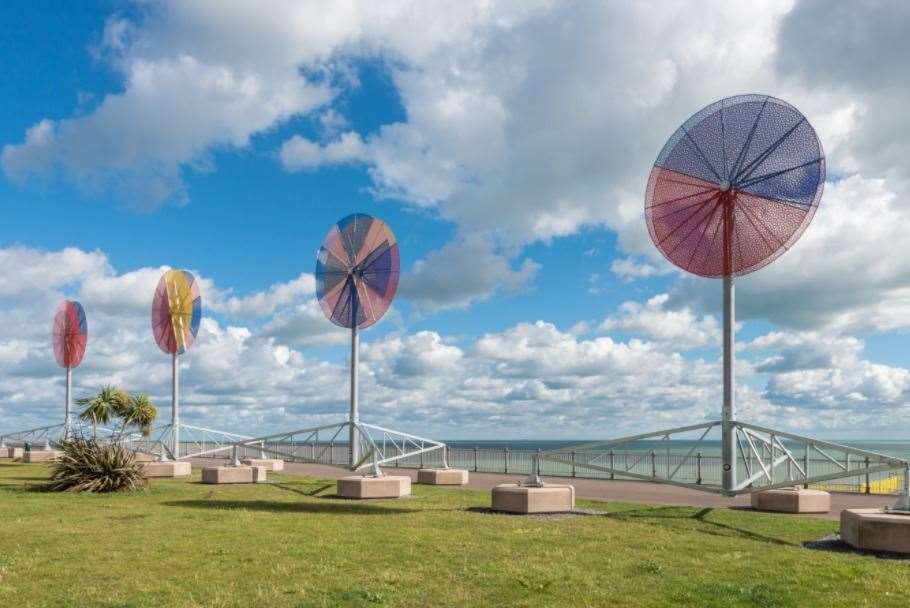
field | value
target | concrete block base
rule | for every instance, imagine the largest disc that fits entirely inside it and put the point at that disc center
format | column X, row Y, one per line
column 11, row 453
column 40, row 456
column 386, row 486
column 792, row 500
column 231, row 474
column 260, row 474
column 875, row 530
column 442, row 477
column 144, row 457
column 170, row 468
column 515, row 498
column 270, row 464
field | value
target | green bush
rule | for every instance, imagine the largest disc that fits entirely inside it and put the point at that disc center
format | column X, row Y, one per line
column 89, row 466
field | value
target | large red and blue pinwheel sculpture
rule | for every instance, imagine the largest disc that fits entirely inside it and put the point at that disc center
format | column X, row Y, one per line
column 735, row 186
column 357, row 271
column 70, row 334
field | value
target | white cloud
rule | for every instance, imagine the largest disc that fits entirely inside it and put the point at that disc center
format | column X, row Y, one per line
column 630, row 269
column 300, row 153
column 679, row 329
column 462, row 272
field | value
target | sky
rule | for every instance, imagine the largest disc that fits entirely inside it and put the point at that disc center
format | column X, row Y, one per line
column 508, row 146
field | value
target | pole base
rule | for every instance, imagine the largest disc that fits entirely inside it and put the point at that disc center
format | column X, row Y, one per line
column 386, row 486
column 526, row 500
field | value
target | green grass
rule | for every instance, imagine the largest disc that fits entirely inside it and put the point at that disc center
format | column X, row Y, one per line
column 181, row 543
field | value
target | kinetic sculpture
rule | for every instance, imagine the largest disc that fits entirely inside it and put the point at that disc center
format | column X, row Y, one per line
column 176, row 314
column 734, row 188
column 357, row 270
column 70, row 337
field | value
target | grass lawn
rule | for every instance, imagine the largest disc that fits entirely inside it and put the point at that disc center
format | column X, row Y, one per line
column 181, row 543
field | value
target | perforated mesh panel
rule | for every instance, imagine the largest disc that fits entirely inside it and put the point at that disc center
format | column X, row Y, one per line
column 176, row 311
column 357, row 268
column 70, row 334
column 735, row 186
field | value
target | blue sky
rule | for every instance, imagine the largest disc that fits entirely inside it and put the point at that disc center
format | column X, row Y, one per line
column 140, row 136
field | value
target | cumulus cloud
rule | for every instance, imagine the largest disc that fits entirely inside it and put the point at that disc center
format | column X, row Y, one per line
column 462, row 272
column 681, row 329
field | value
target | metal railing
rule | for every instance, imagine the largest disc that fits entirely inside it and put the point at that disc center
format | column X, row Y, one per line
column 698, row 469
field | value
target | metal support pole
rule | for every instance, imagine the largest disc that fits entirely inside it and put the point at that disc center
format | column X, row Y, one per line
column 69, row 403
column 728, row 414
column 653, row 465
column 903, row 503
column 698, row 468
column 506, row 461
column 354, row 416
column 534, row 480
column 475, row 458
column 612, row 466
column 175, row 406
column 445, row 457
column 806, row 465
column 868, row 479
column 573, row 463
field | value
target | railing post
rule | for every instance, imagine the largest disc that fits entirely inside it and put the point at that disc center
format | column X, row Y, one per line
column 535, row 465
column 698, row 468
column 506, row 459
column 573, row 463
column 421, row 460
column 612, row 475
column 653, row 464
column 868, row 479
column 475, row 458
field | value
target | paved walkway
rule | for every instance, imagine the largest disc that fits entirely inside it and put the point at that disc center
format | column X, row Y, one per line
column 622, row 491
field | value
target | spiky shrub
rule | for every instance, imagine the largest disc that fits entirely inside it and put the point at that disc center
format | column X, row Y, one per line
column 89, row 466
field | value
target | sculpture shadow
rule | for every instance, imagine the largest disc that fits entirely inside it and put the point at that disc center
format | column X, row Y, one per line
column 271, row 506
column 672, row 512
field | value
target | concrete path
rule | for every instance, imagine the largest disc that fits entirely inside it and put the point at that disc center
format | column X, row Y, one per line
column 623, row 491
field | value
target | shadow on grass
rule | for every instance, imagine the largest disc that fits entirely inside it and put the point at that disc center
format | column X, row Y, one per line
column 701, row 515
column 298, row 490
column 337, row 508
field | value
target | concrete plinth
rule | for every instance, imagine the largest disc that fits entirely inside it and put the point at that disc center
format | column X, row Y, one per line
column 385, row 486
column 515, row 498
column 11, row 453
column 260, row 474
column 792, row 500
column 442, row 477
column 229, row 474
column 33, row 456
column 270, row 464
column 875, row 530
column 144, row 457
column 170, row 468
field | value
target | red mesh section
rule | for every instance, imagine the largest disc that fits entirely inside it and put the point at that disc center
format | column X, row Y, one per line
column 70, row 334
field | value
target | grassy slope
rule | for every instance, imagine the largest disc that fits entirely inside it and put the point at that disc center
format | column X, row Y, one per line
column 181, row 543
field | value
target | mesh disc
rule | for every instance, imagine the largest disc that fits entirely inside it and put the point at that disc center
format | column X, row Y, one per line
column 735, row 186
column 70, row 334
column 357, row 268
column 176, row 311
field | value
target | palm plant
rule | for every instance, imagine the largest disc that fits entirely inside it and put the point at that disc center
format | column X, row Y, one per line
column 89, row 466
column 141, row 412
column 110, row 402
